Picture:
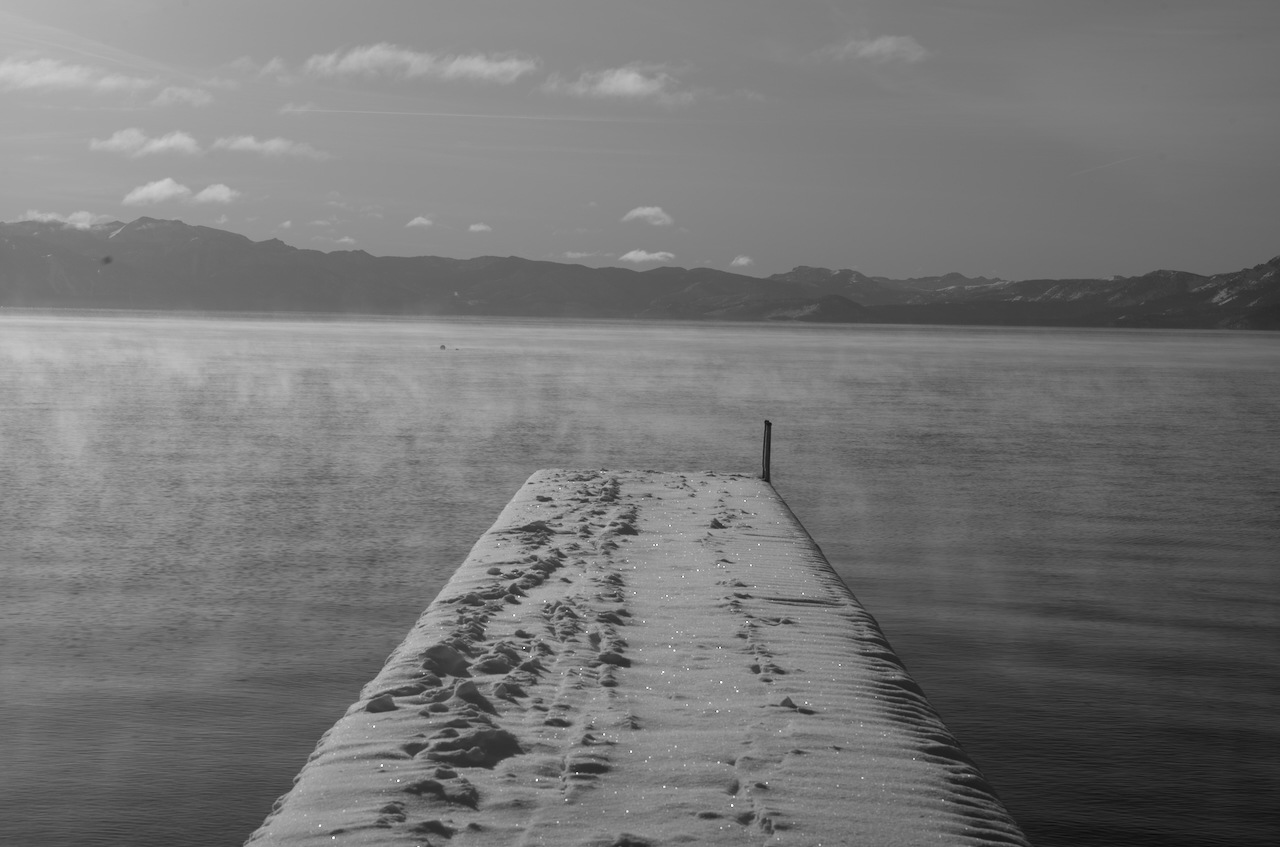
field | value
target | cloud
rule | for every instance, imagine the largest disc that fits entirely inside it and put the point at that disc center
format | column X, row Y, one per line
column 419, row 221
column 216, row 193
column 134, row 143
column 75, row 220
column 742, row 262
column 291, row 108
column 176, row 94
column 642, row 256
column 163, row 190
column 385, row 59
column 630, row 82
column 368, row 210
column 53, row 75
column 575, row 254
column 885, row 48
column 286, row 225
column 157, row 192
column 221, row 219
column 503, row 69
column 649, row 214
column 346, row 239
column 480, row 228
column 272, row 147
column 319, row 223
column 273, row 67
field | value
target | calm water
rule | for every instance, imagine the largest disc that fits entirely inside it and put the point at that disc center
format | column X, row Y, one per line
column 212, row 532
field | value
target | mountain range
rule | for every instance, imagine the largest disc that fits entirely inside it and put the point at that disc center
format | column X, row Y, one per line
column 171, row 265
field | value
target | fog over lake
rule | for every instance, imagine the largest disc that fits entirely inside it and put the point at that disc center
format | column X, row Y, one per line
column 212, row 532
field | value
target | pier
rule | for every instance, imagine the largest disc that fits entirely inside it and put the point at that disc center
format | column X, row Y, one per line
column 632, row 658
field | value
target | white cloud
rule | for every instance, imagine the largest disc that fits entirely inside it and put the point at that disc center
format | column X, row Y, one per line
column 177, row 142
column 157, row 192
column 53, row 75
column 502, row 69
column 290, row 108
column 367, row 210
column 134, row 143
column 575, row 254
column 642, row 256
column 480, row 228
column 221, row 219
column 129, row 140
column 166, row 189
column 345, row 240
column 270, row 147
column 216, row 193
column 175, row 94
column 885, row 48
column 75, row 220
column 742, row 262
column 286, row 225
column 419, row 221
column 273, row 67
column 319, row 223
column 649, row 214
column 385, row 59
column 633, row 82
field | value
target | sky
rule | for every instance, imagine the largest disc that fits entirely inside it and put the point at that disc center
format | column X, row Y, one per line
column 1003, row 138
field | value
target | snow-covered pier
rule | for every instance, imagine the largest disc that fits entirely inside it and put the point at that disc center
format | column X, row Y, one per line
column 641, row 658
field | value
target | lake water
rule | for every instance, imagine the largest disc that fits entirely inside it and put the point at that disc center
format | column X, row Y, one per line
column 213, row 531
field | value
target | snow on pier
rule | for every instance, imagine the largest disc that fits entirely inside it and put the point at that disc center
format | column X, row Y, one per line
column 641, row 658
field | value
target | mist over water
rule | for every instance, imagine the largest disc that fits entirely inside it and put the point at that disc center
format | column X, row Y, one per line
column 212, row 532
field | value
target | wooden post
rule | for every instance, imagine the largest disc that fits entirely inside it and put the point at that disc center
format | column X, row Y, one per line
column 764, row 461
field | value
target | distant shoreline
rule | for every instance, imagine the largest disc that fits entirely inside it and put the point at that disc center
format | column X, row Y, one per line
column 516, row 320
column 158, row 265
